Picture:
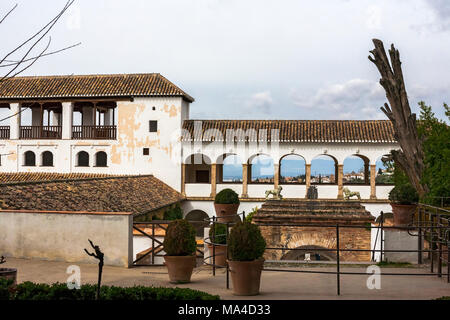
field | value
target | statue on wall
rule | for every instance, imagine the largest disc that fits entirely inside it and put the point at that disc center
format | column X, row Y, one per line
column 275, row 192
column 348, row 194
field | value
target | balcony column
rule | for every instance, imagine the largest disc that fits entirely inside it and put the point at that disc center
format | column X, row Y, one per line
column 14, row 129
column 340, row 179
column 213, row 180
column 307, row 177
column 183, row 179
column 373, row 191
column 109, row 117
column 244, row 180
column 36, row 117
column 276, row 175
column 67, row 120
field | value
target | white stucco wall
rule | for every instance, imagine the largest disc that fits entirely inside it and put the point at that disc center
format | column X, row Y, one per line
column 125, row 154
column 63, row 236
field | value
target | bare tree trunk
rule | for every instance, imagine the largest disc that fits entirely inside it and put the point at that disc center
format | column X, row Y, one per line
column 410, row 157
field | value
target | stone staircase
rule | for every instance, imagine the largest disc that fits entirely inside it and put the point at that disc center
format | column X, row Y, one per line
column 312, row 211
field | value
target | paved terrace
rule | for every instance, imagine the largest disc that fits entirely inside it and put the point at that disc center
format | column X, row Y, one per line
column 274, row 285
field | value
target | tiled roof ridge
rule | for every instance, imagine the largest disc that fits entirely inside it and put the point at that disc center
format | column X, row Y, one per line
column 87, row 75
column 32, row 182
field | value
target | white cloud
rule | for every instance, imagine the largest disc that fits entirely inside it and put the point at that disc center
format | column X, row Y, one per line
column 353, row 99
column 262, row 101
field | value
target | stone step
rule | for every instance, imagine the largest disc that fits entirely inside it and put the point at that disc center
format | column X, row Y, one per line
column 304, row 211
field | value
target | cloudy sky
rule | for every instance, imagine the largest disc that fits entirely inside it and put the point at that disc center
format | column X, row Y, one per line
column 251, row 59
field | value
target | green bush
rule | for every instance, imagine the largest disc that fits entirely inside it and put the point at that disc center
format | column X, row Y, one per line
column 403, row 194
column 249, row 217
column 59, row 291
column 173, row 213
column 180, row 239
column 227, row 196
column 245, row 242
column 220, row 234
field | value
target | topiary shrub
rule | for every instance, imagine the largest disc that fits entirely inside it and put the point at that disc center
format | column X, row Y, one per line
column 173, row 213
column 220, row 234
column 227, row 196
column 245, row 242
column 403, row 194
column 180, row 239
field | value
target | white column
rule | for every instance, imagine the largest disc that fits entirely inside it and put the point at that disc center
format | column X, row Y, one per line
column 67, row 115
column 14, row 129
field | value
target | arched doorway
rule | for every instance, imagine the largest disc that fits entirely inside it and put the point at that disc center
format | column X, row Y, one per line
column 197, row 219
column 315, row 255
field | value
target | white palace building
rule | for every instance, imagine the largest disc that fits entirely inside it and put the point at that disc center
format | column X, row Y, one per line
column 139, row 124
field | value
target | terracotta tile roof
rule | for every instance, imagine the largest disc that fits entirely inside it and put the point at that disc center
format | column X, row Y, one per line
column 294, row 130
column 83, row 86
column 16, row 177
column 136, row 194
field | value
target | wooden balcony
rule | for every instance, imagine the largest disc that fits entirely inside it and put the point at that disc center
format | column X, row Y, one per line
column 94, row 132
column 40, row 132
column 4, row 132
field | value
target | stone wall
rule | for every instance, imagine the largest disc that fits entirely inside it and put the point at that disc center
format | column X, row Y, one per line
column 323, row 237
column 62, row 236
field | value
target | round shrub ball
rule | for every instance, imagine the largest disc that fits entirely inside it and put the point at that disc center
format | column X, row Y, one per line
column 245, row 242
column 220, row 236
column 403, row 194
column 227, row 196
column 180, row 239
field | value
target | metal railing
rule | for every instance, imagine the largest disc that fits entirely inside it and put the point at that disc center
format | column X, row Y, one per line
column 94, row 132
column 4, row 132
column 40, row 132
column 430, row 224
column 157, row 245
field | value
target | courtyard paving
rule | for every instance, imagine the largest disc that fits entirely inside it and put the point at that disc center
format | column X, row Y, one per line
column 274, row 285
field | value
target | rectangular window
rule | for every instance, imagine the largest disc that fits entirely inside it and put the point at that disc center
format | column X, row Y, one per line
column 146, row 151
column 153, row 126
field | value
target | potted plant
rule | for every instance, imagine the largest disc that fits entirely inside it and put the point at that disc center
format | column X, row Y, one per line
column 246, row 247
column 403, row 202
column 218, row 236
column 8, row 273
column 180, row 245
column 226, row 204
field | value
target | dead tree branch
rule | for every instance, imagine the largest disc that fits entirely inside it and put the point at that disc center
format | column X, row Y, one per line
column 410, row 157
column 18, row 66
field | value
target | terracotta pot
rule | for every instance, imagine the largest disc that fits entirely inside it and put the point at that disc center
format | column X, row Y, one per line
column 226, row 212
column 403, row 213
column 180, row 268
column 7, row 273
column 220, row 253
column 246, row 276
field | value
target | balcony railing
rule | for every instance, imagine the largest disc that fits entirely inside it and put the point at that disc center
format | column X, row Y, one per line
column 4, row 132
column 40, row 132
column 94, row 132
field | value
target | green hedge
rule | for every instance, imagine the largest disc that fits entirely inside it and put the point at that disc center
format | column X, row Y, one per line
column 59, row 291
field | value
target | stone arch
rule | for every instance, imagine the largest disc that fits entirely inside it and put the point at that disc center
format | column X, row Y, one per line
column 299, row 176
column 197, row 218
column 229, row 168
column 261, row 169
column 316, row 253
column 324, row 176
column 384, row 174
column 198, row 168
column 311, row 237
column 361, row 175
